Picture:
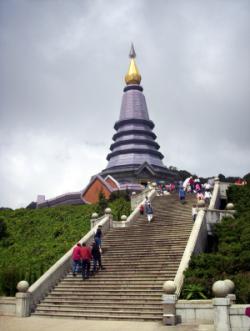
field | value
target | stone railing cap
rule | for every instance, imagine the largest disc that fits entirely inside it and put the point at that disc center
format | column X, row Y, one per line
column 22, row 286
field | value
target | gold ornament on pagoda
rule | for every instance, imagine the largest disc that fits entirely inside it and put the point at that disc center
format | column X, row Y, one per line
column 133, row 75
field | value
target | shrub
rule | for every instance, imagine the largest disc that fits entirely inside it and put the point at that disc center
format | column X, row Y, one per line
column 120, row 207
column 3, row 228
column 232, row 256
column 36, row 239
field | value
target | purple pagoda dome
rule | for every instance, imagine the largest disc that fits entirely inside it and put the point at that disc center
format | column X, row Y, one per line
column 135, row 155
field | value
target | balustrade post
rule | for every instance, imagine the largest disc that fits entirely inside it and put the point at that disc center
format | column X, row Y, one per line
column 169, row 303
column 93, row 219
column 221, row 304
column 23, row 299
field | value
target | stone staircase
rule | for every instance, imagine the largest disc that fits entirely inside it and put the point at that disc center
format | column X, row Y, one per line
column 138, row 260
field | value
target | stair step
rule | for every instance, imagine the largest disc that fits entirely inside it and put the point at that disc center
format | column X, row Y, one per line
column 100, row 316
column 138, row 260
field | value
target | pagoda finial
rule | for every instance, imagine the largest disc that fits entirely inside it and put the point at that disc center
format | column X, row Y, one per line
column 133, row 76
column 132, row 53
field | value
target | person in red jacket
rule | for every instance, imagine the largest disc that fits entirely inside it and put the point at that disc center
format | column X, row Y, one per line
column 76, row 257
column 86, row 258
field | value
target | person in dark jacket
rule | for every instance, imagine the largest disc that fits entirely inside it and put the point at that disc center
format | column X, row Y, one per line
column 97, row 257
column 149, row 211
column 98, row 236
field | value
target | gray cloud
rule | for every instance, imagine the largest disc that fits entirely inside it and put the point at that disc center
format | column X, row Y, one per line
column 62, row 74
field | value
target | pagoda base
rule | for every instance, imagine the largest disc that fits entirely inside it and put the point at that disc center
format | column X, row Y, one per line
column 139, row 173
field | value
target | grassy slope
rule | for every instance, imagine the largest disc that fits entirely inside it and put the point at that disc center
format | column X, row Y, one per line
column 38, row 238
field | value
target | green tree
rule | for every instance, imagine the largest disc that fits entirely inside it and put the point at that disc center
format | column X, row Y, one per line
column 247, row 178
column 102, row 203
column 231, row 258
column 3, row 228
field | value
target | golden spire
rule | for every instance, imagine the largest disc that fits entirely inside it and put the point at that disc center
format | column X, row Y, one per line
column 133, row 76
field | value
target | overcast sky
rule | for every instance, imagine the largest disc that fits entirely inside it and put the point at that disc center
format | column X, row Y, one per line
column 62, row 67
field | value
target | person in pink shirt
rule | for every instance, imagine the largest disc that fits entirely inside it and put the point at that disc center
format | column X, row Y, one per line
column 76, row 257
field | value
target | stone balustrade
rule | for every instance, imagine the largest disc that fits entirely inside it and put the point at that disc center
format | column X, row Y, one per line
column 204, row 223
column 220, row 311
column 196, row 244
column 125, row 223
column 138, row 198
column 50, row 278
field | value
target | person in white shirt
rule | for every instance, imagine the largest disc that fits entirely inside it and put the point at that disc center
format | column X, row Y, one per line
column 207, row 186
column 207, row 196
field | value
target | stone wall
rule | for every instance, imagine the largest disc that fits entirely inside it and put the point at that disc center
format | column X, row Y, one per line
column 239, row 321
column 195, row 310
column 202, row 311
column 7, row 306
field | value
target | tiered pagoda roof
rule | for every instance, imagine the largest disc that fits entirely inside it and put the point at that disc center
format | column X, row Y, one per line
column 135, row 155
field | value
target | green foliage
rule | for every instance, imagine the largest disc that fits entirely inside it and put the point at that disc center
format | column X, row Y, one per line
column 232, row 257
column 102, row 203
column 36, row 239
column 184, row 174
column 247, row 178
column 119, row 194
column 120, row 207
column 3, row 232
column 194, row 291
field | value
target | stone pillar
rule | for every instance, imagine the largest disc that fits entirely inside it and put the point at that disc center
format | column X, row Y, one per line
column 221, row 305
column 93, row 219
column 23, row 299
column 221, row 314
column 108, row 212
column 169, row 303
column 22, row 304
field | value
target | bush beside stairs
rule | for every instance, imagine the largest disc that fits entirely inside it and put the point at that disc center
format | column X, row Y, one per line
column 138, row 260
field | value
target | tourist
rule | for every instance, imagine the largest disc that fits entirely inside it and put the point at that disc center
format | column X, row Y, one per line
column 194, row 212
column 197, row 187
column 149, row 211
column 97, row 257
column 141, row 208
column 199, row 196
column 185, row 184
column 86, row 258
column 76, row 257
column 191, row 183
column 98, row 236
column 172, row 187
column 182, row 194
column 207, row 197
column 207, row 186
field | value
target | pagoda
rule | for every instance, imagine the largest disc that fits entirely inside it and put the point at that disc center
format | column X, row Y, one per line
column 134, row 155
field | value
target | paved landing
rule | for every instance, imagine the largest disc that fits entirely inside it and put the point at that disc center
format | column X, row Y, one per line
column 32, row 323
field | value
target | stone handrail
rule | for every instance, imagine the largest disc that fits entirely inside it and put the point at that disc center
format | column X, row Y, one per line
column 139, row 197
column 54, row 274
column 203, row 225
column 95, row 221
column 219, row 192
column 215, row 200
column 122, row 224
column 196, row 244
